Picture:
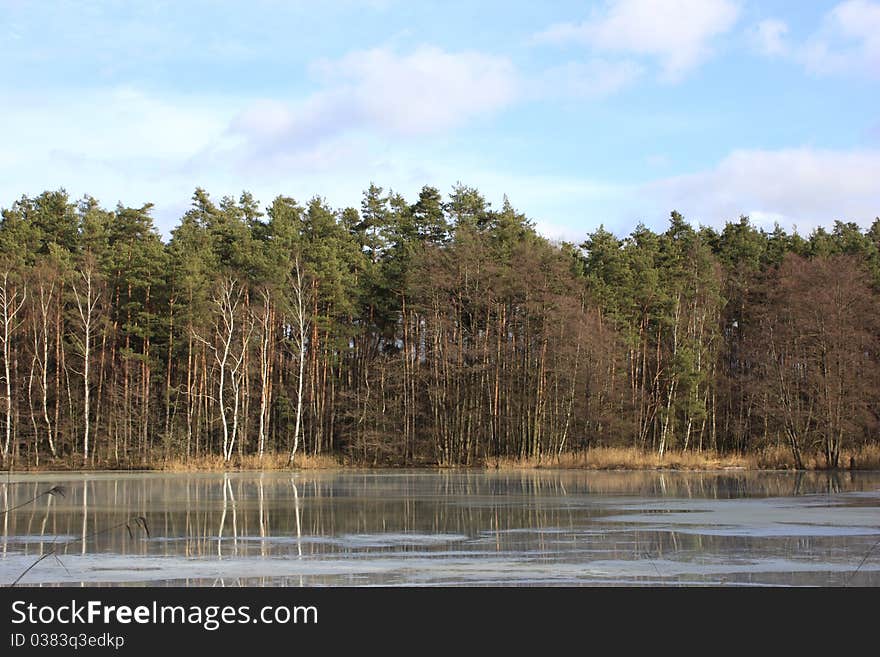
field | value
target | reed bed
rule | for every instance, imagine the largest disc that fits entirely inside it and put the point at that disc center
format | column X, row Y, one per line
column 203, row 463
column 251, row 462
column 863, row 457
column 631, row 458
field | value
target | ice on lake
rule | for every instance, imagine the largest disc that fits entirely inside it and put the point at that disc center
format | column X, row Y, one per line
column 428, row 528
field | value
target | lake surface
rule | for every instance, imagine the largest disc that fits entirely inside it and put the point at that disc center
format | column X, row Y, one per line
column 428, row 528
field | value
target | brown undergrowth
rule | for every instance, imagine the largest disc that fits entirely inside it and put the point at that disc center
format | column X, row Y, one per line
column 597, row 458
column 630, row 458
column 252, row 462
column 210, row 463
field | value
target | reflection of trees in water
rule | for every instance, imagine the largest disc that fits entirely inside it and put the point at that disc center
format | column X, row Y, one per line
column 4, row 500
column 228, row 498
column 299, row 550
column 301, row 514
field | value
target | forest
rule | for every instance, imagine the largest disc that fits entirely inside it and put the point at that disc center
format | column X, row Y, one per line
column 429, row 331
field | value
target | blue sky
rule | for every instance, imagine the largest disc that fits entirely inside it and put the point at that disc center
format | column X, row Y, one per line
column 611, row 111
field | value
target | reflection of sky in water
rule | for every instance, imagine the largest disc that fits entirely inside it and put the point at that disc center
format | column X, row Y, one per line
column 446, row 528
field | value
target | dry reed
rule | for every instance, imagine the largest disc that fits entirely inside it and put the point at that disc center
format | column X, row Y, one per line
column 631, row 458
column 865, row 457
column 270, row 461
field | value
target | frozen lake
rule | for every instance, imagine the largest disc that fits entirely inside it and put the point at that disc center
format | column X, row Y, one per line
column 427, row 528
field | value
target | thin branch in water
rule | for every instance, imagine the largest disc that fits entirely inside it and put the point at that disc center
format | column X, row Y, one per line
column 61, row 563
column 142, row 522
column 650, row 558
column 139, row 521
column 862, row 563
column 55, row 490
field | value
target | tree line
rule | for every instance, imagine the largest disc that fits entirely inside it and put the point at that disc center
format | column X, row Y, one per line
column 434, row 331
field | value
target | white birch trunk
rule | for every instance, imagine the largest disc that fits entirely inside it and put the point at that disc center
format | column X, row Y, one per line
column 11, row 303
column 86, row 303
column 265, row 370
column 301, row 323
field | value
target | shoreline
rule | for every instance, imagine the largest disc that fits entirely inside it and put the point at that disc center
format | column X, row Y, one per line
column 593, row 459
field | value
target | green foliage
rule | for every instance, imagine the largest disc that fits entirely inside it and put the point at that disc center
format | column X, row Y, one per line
column 441, row 327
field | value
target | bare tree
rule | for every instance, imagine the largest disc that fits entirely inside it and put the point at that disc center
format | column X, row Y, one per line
column 819, row 323
column 266, row 323
column 237, row 379
column 11, row 302
column 46, row 290
column 300, row 333
column 227, row 301
column 87, row 296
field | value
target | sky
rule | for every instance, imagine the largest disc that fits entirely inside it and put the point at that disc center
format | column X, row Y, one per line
column 609, row 112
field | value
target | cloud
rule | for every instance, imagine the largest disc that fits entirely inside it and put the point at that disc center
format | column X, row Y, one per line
column 116, row 144
column 596, row 78
column 676, row 32
column 846, row 42
column 427, row 90
column 769, row 37
column 802, row 186
column 401, row 97
column 120, row 122
column 380, row 91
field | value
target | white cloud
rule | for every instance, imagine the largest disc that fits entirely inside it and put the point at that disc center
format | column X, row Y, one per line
column 802, row 186
column 122, row 123
column 426, row 91
column 769, row 37
column 119, row 122
column 596, row 78
column 677, row 32
column 366, row 100
column 846, row 42
column 119, row 144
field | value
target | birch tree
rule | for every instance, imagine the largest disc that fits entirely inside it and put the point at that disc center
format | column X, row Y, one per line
column 267, row 325
column 229, row 345
column 41, row 318
column 86, row 295
column 300, row 310
column 12, row 299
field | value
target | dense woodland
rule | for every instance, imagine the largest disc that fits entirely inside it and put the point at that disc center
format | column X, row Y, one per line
column 424, row 331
